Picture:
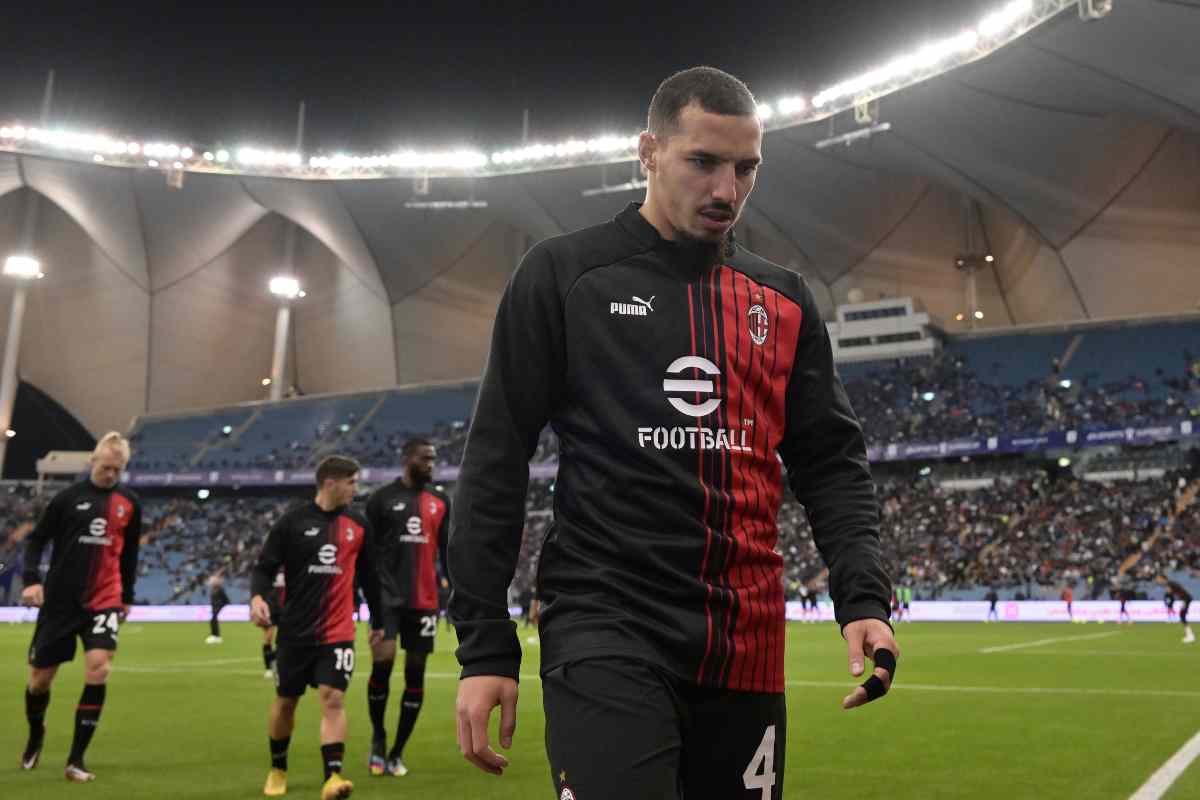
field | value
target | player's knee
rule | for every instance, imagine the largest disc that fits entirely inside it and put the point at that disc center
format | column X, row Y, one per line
column 98, row 670
column 40, row 679
column 332, row 700
column 414, row 672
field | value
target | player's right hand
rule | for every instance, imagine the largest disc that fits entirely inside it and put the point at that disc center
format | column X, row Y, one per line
column 477, row 696
column 32, row 596
column 260, row 612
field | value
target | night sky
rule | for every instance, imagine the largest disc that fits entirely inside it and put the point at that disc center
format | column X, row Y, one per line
column 376, row 79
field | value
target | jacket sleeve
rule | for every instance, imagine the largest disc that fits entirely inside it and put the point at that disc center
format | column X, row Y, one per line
column 443, row 541
column 826, row 458
column 47, row 528
column 365, row 570
column 270, row 559
column 521, row 383
column 129, row 553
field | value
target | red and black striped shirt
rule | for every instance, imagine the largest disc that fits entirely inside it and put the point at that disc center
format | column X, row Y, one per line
column 676, row 392
column 95, row 533
column 410, row 526
column 322, row 554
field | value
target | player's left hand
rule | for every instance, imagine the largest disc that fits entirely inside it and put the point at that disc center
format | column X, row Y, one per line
column 864, row 637
column 124, row 613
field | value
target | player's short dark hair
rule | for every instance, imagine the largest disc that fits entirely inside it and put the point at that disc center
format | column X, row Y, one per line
column 412, row 445
column 715, row 90
column 336, row 468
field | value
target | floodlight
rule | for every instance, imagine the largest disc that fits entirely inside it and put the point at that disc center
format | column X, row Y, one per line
column 22, row 267
column 285, row 287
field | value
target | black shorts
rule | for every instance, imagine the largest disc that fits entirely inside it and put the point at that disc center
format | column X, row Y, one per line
column 1184, row 611
column 416, row 628
column 54, row 635
column 623, row 728
column 300, row 666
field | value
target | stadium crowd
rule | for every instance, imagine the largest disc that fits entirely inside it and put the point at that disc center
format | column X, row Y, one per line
column 944, row 398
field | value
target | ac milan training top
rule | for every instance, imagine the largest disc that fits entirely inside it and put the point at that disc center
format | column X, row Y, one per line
column 675, row 391
column 409, row 532
column 95, row 534
column 321, row 552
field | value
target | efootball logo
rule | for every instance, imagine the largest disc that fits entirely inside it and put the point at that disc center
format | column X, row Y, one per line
column 704, row 386
column 327, row 554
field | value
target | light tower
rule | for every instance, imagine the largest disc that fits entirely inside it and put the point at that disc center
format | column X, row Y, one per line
column 287, row 289
column 21, row 269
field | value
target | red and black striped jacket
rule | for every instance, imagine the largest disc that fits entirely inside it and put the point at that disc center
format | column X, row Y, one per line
column 95, row 533
column 676, row 393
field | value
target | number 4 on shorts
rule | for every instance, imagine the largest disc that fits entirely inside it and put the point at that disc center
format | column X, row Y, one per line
column 760, row 774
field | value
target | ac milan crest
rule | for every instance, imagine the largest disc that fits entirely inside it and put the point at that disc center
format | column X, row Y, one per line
column 759, row 324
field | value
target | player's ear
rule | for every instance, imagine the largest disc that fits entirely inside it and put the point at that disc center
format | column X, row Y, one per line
column 648, row 151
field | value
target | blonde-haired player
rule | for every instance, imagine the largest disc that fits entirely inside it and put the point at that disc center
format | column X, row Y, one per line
column 94, row 526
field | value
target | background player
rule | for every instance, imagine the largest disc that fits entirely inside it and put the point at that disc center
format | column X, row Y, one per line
column 992, row 599
column 95, row 526
column 906, row 601
column 409, row 519
column 1068, row 597
column 1177, row 592
column 218, row 599
column 322, row 546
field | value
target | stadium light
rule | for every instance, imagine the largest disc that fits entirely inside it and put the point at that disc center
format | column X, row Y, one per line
column 1065, row 383
column 1002, row 25
column 203, row 494
column 925, row 471
column 228, row 429
column 1064, row 462
column 285, row 287
column 23, row 267
column 266, row 381
column 928, row 397
column 978, row 315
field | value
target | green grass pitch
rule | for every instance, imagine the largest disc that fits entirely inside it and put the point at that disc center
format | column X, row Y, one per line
column 1090, row 716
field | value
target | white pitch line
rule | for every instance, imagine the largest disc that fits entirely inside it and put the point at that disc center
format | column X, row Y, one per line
column 1040, row 642
column 1161, row 781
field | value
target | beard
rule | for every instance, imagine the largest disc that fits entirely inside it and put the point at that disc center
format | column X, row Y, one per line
column 705, row 254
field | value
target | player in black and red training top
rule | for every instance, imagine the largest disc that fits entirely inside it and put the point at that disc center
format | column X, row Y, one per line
column 94, row 526
column 1184, row 597
column 681, row 373
column 323, row 546
column 409, row 519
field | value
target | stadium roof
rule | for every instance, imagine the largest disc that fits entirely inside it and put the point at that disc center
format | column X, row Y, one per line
column 1072, row 154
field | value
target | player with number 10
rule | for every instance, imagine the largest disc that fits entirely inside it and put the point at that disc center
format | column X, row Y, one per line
column 323, row 546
